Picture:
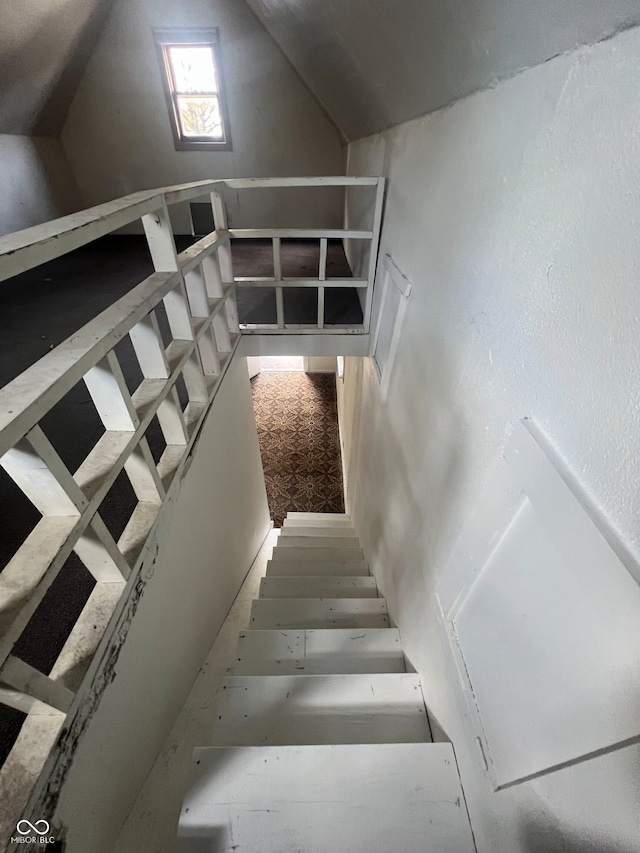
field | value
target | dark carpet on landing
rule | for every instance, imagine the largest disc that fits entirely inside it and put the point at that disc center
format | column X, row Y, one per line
column 297, row 418
column 299, row 258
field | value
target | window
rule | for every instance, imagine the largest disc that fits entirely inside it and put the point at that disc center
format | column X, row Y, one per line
column 194, row 89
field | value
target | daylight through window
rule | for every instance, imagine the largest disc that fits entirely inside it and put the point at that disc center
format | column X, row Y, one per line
column 194, row 90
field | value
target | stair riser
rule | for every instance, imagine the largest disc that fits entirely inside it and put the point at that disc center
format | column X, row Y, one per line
column 336, row 524
column 318, row 532
column 316, row 568
column 339, row 620
column 336, row 555
column 350, row 543
column 319, row 613
column 318, row 516
column 318, row 587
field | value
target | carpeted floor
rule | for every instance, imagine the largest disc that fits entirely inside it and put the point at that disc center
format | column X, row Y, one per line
column 297, row 418
column 299, row 258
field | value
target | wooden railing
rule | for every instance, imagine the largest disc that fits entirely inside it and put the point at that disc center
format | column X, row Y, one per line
column 193, row 293
column 321, row 282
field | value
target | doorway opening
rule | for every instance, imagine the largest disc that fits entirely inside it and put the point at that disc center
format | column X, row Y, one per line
column 282, row 363
column 295, row 403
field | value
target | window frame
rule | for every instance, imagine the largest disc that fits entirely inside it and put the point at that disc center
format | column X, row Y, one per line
column 178, row 38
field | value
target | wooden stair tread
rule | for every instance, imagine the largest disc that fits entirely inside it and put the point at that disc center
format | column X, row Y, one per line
column 326, row 798
column 319, row 651
column 309, row 709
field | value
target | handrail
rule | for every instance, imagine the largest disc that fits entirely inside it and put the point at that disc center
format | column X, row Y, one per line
column 323, row 181
column 196, row 291
column 30, row 247
column 37, row 245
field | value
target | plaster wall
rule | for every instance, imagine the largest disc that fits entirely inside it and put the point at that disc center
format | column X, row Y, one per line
column 118, row 137
column 515, row 214
column 321, row 364
column 36, row 183
column 376, row 63
column 211, row 536
column 44, row 45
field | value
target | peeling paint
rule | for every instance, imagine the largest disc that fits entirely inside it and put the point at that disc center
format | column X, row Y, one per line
column 72, row 732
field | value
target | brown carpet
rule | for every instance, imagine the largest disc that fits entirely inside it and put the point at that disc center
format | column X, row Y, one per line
column 297, row 418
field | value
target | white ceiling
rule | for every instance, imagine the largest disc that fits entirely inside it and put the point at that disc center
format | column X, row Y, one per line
column 370, row 63
column 44, row 47
column 375, row 63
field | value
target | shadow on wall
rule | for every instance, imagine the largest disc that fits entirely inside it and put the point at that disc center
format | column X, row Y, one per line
column 537, row 836
column 416, row 446
column 60, row 54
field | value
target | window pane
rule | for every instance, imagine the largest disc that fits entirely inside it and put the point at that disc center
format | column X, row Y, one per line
column 193, row 68
column 200, row 117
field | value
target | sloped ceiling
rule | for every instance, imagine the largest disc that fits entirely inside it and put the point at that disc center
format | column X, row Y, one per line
column 375, row 63
column 44, row 47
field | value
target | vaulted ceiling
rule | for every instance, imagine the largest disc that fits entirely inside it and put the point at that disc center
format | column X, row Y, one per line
column 375, row 63
column 370, row 63
column 44, row 47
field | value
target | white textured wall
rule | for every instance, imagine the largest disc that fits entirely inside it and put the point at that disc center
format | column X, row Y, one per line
column 118, row 137
column 36, row 183
column 43, row 47
column 375, row 63
column 212, row 535
column 321, row 364
column 515, row 213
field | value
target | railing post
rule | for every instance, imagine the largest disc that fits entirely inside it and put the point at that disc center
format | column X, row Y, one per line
column 157, row 227
column 373, row 252
column 221, row 224
column 197, row 292
column 322, row 275
column 225, row 260
column 277, row 274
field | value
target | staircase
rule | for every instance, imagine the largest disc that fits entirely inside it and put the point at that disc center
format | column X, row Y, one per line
column 321, row 741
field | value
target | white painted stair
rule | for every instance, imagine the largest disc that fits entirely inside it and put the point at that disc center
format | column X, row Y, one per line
column 319, row 652
column 319, row 613
column 322, row 709
column 316, row 568
column 321, row 740
column 318, row 587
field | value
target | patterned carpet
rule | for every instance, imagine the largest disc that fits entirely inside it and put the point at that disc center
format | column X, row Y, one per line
column 297, row 419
